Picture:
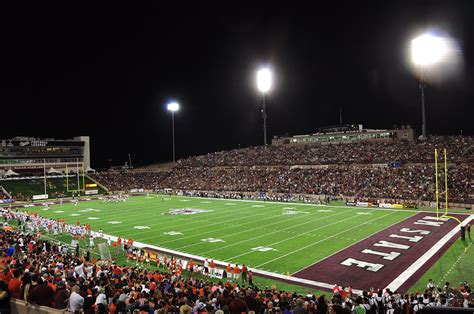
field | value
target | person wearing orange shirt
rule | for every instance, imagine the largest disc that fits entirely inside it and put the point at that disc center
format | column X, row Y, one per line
column 236, row 272
column 114, row 245
column 14, row 285
column 212, row 267
column 229, row 271
column 6, row 275
column 191, row 266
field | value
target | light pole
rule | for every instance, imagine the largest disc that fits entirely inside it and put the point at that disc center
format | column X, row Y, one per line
column 174, row 106
column 264, row 83
column 425, row 51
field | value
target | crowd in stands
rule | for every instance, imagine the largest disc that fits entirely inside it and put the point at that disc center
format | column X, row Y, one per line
column 127, row 180
column 414, row 182
column 343, row 170
column 39, row 272
column 459, row 149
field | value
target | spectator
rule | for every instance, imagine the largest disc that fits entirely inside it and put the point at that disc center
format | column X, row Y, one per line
column 4, row 298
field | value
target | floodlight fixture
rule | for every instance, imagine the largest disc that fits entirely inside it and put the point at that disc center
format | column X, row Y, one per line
column 428, row 49
column 173, row 106
column 264, row 80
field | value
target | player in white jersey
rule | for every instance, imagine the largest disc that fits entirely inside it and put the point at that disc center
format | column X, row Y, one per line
column 91, row 242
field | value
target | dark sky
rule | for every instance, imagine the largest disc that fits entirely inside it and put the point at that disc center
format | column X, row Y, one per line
column 107, row 70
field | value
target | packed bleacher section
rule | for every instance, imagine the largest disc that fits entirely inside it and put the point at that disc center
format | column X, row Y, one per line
column 408, row 183
column 36, row 271
column 458, row 148
column 358, row 170
column 128, row 180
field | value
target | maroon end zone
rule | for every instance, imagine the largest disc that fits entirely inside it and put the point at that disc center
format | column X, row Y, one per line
column 379, row 259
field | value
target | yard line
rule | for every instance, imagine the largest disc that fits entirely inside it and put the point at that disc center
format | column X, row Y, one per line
column 227, row 227
column 146, row 217
column 322, row 240
column 368, row 236
column 165, row 220
column 170, row 226
column 323, row 205
column 266, row 234
column 285, row 239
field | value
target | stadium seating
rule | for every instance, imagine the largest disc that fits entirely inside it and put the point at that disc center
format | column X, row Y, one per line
column 458, row 148
column 40, row 278
column 398, row 171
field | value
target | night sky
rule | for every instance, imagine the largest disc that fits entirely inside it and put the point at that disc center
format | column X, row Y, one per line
column 108, row 70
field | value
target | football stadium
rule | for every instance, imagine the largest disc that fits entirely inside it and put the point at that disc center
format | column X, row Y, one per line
column 319, row 216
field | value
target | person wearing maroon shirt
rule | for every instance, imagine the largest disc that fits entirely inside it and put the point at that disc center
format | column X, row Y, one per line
column 237, row 305
column 42, row 294
column 244, row 273
column 61, row 296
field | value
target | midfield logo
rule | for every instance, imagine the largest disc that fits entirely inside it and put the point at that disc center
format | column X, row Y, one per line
column 185, row 211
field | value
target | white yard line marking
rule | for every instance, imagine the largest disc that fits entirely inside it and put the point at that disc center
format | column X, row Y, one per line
column 400, row 280
column 216, row 213
column 370, row 235
column 317, row 242
column 252, row 221
column 441, row 281
column 213, row 224
column 286, row 239
column 266, row 234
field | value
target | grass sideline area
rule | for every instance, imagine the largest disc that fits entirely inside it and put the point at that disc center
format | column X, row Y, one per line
column 54, row 186
column 455, row 266
column 268, row 222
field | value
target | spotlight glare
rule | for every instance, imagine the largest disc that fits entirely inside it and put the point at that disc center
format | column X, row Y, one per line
column 264, row 80
column 174, row 106
column 428, row 49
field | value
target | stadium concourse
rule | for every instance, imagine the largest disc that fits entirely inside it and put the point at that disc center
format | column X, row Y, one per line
column 399, row 172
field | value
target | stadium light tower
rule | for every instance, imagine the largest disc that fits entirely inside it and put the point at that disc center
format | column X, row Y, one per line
column 264, row 83
column 426, row 50
column 173, row 106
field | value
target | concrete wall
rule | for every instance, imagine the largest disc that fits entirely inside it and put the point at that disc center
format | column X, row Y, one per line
column 18, row 307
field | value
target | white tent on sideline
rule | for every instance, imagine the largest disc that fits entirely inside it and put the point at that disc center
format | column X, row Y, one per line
column 89, row 169
column 53, row 171
column 10, row 173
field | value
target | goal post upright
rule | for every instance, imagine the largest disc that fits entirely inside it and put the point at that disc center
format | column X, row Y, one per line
column 80, row 187
column 446, row 180
column 436, row 182
column 445, row 214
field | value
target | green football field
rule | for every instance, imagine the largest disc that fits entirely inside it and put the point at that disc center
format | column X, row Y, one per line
column 277, row 237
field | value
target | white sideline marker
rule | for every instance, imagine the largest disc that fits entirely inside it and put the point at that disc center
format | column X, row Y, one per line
column 400, row 280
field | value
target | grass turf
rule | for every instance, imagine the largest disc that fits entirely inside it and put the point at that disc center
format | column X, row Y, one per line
column 53, row 185
column 455, row 266
column 281, row 238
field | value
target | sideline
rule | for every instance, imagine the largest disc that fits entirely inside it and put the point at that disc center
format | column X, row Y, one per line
column 404, row 276
column 263, row 273
column 313, row 205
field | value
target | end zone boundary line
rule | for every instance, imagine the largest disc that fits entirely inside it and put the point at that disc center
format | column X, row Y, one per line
column 410, row 271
